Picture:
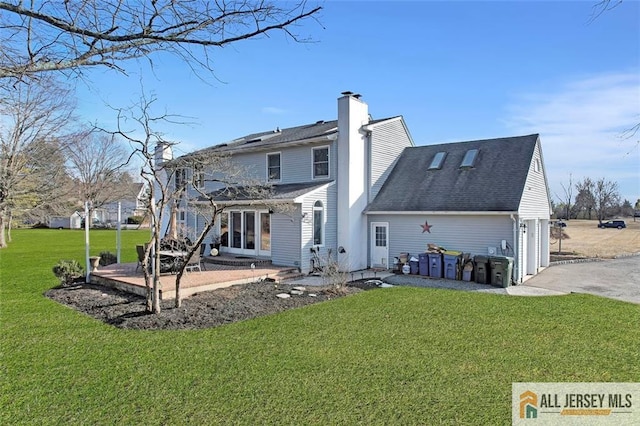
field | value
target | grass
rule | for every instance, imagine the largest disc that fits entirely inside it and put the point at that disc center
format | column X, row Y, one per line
column 393, row 356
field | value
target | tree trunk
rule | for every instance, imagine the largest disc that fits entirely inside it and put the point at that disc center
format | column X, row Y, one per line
column 178, row 300
column 156, row 279
column 3, row 241
column 9, row 224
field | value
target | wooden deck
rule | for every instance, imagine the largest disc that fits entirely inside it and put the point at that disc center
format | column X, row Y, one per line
column 125, row 277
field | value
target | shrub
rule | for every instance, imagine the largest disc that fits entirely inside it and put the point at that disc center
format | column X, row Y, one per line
column 135, row 220
column 68, row 271
column 107, row 258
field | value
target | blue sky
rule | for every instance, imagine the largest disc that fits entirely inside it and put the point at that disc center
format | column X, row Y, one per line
column 454, row 70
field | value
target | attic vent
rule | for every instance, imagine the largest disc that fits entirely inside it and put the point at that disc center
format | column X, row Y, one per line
column 320, row 122
column 254, row 140
column 438, row 159
column 469, row 159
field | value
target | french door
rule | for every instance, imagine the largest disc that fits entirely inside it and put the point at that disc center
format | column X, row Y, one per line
column 246, row 232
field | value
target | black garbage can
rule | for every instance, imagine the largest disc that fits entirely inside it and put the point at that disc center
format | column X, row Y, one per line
column 481, row 269
column 423, row 264
column 501, row 267
column 435, row 265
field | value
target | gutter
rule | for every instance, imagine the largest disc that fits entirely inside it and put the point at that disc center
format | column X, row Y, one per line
column 516, row 254
column 447, row 212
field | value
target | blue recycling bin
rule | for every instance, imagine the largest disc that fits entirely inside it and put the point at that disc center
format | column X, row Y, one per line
column 451, row 265
column 413, row 264
column 435, row 265
column 423, row 264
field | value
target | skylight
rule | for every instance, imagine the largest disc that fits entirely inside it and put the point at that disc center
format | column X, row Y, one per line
column 438, row 159
column 469, row 158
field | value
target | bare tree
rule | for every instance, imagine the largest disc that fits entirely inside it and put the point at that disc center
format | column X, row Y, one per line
column 606, row 195
column 232, row 181
column 585, row 200
column 30, row 116
column 57, row 36
column 96, row 161
column 234, row 184
column 602, row 6
column 568, row 196
column 46, row 189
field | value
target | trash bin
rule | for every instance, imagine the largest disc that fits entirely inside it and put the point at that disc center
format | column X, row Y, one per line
column 451, row 260
column 501, row 267
column 435, row 265
column 413, row 264
column 423, row 264
column 481, row 269
column 467, row 271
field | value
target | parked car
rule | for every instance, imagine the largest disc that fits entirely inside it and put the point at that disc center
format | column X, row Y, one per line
column 612, row 224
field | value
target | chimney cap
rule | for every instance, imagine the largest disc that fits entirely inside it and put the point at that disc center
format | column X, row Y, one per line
column 357, row 96
column 347, row 93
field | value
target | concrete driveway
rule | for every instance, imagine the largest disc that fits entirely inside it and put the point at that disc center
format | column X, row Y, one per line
column 614, row 278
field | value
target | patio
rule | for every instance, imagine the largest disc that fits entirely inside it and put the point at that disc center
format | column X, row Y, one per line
column 125, row 277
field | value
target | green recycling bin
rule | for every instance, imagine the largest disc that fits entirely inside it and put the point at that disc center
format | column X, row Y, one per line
column 501, row 268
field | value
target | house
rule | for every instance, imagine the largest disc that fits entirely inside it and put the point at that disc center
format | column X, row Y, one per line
column 69, row 222
column 485, row 197
column 133, row 203
column 359, row 190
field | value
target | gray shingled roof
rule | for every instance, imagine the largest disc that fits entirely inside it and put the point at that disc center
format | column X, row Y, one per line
column 495, row 183
column 269, row 139
column 278, row 136
column 282, row 192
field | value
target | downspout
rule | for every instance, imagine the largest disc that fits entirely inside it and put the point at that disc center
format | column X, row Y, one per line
column 516, row 254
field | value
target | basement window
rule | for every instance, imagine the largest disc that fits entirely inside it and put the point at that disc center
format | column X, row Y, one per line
column 469, row 159
column 438, row 159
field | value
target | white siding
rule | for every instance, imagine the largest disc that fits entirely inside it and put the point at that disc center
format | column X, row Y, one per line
column 466, row 233
column 285, row 238
column 535, row 196
column 328, row 199
column 388, row 140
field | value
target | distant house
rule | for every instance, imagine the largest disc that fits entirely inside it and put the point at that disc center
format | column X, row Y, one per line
column 361, row 190
column 133, row 204
column 73, row 221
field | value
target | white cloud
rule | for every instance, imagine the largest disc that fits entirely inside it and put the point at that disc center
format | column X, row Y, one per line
column 581, row 125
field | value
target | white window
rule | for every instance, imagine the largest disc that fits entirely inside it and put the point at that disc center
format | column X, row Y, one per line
column 318, row 223
column 320, row 162
column 536, row 165
column 273, row 167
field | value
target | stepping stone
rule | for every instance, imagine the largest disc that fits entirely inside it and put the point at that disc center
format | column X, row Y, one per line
column 313, row 295
column 299, row 288
column 385, row 285
column 283, row 295
column 296, row 292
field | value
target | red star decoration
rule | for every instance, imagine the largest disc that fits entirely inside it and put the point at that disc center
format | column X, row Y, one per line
column 426, row 227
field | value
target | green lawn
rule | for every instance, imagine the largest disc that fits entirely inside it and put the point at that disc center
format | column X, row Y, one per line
column 392, row 356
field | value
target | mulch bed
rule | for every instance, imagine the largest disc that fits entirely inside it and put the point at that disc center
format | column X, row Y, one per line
column 201, row 310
